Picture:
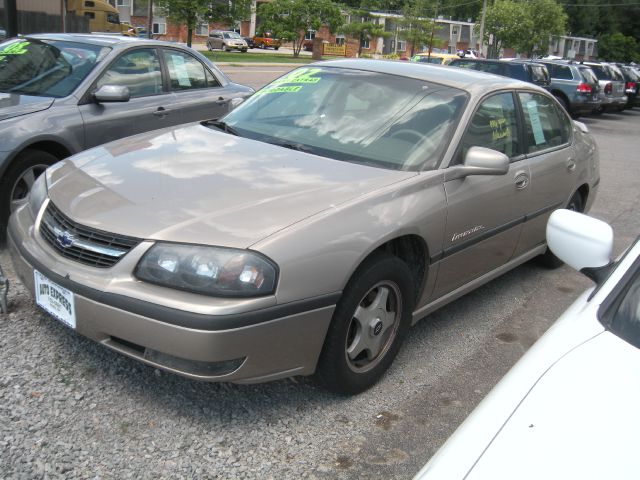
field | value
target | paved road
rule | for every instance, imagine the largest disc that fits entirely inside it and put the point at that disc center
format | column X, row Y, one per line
column 256, row 76
column 69, row 408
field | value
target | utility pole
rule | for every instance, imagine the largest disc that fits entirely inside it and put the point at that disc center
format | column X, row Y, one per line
column 11, row 18
column 63, row 15
column 484, row 14
column 150, row 19
column 433, row 27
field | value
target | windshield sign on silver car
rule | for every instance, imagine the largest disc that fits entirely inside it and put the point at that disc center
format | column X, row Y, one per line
column 308, row 229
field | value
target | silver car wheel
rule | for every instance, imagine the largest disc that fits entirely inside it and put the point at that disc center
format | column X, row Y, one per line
column 22, row 186
column 373, row 327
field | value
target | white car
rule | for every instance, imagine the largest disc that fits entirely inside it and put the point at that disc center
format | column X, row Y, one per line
column 569, row 409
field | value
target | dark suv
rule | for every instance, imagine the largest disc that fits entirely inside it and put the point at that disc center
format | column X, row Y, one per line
column 522, row 70
column 574, row 85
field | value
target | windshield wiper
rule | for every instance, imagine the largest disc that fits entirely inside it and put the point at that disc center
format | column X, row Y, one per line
column 223, row 126
column 298, row 147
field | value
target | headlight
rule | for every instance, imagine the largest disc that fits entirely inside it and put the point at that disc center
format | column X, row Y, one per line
column 38, row 194
column 215, row 271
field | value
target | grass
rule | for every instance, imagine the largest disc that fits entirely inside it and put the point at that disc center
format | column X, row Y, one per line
column 238, row 57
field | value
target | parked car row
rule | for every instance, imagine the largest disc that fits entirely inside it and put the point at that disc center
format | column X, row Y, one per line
column 581, row 87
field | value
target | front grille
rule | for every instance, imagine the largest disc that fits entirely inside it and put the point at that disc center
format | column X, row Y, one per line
column 83, row 244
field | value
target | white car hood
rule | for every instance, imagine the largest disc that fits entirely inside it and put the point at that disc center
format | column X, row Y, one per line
column 588, row 431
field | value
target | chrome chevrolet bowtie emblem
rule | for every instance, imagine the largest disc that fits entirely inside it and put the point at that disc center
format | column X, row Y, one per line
column 65, row 239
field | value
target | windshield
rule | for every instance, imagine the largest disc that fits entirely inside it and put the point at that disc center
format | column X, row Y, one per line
column 45, row 68
column 232, row 35
column 382, row 120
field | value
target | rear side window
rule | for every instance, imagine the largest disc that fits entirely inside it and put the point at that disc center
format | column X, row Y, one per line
column 545, row 126
column 185, row 71
column 561, row 72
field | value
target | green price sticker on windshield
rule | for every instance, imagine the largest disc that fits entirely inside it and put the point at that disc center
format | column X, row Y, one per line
column 301, row 75
column 17, row 48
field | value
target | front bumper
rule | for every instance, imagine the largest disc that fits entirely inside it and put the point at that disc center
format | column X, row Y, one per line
column 247, row 347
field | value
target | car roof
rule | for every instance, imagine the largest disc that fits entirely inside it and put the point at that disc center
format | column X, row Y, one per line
column 99, row 39
column 464, row 79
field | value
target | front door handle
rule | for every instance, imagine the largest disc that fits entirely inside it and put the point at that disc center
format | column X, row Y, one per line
column 522, row 180
column 222, row 101
column 161, row 112
column 571, row 164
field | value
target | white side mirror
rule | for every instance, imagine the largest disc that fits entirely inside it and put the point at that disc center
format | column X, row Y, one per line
column 578, row 240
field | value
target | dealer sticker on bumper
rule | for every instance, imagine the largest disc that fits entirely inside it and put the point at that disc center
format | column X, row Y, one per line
column 56, row 300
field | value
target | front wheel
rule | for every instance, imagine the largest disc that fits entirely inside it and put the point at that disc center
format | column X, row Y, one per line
column 548, row 259
column 368, row 326
column 18, row 180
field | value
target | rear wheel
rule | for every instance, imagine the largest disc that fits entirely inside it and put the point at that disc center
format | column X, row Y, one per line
column 368, row 326
column 18, row 180
column 548, row 259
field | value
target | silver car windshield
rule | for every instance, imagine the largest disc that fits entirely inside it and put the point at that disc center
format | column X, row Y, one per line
column 45, row 68
column 382, row 120
column 233, row 35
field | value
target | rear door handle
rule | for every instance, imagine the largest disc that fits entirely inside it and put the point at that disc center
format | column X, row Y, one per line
column 222, row 101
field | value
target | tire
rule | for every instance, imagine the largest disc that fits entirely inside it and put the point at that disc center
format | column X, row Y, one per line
column 362, row 342
column 276, row 48
column 209, row 47
column 17, row 181
column 548, row 259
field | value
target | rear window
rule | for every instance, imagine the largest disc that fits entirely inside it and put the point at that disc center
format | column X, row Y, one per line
column 588, row 75
column 602, row 72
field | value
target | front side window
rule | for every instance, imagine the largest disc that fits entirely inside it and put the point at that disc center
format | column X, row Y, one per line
column 544, row 125
column 139, row 70
column 185, row 71
column 385, row 121
column 493, row 126
column 46, row 68
column 625, row 322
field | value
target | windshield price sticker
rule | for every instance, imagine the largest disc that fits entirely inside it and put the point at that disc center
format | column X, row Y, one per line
column 54, row 299
column 17, row 48
column 281, row 89
column 301, row 75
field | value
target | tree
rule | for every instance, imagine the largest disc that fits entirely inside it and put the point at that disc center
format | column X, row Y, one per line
column 416, row 26
column 228, row 12
column 524, row 26
column 616, row 47
column 292, row 19
column 188, row 12
column 363, row 27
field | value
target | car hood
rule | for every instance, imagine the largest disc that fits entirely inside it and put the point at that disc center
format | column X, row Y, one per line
column 580, row 419
column 197, row 185
column 14, row 105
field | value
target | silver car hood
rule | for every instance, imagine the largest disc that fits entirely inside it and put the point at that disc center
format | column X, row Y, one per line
column 197, row 185
column 14, row 105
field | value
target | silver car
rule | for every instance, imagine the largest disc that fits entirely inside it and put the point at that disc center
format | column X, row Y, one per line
column 613, row 97
column 309, row 228
column 63, row 93
column 227, row 41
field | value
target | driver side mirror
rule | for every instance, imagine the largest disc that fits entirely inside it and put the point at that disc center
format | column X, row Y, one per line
column 112, row 93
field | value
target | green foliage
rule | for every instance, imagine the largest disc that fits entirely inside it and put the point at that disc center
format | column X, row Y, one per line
column 187, row 12
column 291, row 19
column 363, row 26
column 229, row 13
column 524, row 26
column 616, row 47
column 416, row 27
